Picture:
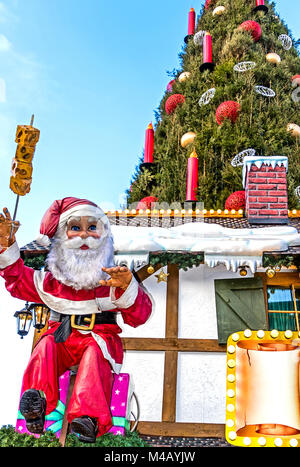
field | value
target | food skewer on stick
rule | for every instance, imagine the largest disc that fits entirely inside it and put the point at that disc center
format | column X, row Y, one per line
column 21, row 173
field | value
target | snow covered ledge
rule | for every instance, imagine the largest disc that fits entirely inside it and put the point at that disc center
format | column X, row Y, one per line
column 220, row 245
column 264, row 180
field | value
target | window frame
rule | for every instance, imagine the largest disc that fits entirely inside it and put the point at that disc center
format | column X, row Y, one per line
column 282, row 279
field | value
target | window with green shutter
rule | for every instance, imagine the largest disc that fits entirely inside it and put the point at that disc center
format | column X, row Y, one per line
column 240, row 304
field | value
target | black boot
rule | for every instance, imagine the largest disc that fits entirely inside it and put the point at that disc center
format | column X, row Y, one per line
column 33, row 409
column 85, row 428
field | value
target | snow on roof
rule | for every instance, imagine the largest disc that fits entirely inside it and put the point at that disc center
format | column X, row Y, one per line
column 231, row 241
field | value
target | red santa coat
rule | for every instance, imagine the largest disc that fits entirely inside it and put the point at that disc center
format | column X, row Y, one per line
column 97, row 351
column 27, row 284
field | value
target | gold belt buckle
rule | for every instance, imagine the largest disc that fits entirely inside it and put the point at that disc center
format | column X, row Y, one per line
column 82, row 327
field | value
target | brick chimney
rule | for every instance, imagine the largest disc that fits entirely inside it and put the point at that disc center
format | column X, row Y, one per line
column 264, row 180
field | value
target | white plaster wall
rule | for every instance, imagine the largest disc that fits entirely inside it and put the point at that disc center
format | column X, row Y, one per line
column 197, row 305
column 201, row 387
column 147, row 373
column 155, row 326
column 201, row 383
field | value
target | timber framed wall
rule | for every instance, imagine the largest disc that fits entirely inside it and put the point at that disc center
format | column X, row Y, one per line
column 171, row 345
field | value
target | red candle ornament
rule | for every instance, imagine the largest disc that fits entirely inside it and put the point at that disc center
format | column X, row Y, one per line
column 207, row 53
column 192, row 21
column 260, row 6
column 149, row 143
column 207, row 48
column 192, row 177
column 191, row 25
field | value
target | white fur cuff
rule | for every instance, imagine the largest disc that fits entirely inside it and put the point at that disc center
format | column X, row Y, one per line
column 9, row 256
column 128, row 298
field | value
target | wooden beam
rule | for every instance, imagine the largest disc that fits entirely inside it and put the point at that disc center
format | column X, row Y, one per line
column 170, row 386
column 65, row 423
column 179, row 345
column 172, row 301
column 195, row 430
column 171, row 356
column 142, row 274
column 281, row 279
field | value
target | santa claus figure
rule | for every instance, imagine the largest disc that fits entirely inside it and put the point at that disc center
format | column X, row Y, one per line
column 85, row 292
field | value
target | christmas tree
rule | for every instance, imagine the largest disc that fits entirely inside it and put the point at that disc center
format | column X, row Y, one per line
column 237, row 92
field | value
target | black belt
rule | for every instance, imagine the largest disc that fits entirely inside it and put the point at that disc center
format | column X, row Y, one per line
column 80, row 322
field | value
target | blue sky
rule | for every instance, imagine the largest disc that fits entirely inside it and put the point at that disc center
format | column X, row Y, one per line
column 93, row 73
column 93, row 76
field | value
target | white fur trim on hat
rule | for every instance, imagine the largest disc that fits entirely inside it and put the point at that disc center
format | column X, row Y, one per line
column 80, row 210
column 43, row 240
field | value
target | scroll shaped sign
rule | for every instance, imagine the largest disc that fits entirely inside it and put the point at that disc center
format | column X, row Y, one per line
column 262, row 393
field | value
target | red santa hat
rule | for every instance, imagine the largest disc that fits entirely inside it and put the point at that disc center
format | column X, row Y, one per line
column 60, row 212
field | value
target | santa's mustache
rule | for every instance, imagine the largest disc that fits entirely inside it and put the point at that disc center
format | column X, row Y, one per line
column 77, row 242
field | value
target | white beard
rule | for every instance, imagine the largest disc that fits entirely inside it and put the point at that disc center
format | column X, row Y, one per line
column 80, row 269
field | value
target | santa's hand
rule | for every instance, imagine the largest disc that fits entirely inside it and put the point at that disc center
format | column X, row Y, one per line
column 8, row 228
column 120, row 276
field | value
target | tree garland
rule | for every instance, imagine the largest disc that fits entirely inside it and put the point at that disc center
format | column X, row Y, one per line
column 35, row 262
column 286, row 261
column 184, row 261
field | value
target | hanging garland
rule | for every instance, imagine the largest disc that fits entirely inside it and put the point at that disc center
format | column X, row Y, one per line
column 279, row 262
column 184, row 261
column 35, row 262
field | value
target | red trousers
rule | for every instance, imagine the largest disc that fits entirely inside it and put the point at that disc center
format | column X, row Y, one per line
column 93, row 385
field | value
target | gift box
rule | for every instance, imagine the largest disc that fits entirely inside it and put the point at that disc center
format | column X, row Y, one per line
column 120, row 403
column 119, row 406
column 54, row 420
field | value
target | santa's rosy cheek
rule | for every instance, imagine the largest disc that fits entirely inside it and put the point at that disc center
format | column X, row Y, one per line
column 74, row 233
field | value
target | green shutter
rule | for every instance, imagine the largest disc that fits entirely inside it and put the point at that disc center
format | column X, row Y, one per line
column 240, row 305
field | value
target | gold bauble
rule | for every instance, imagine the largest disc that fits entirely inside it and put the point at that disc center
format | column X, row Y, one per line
column 294, row 129
column 273, row 58
column 219, row 10
column 187, row 138
column 243, row 272
column 184, row 76
column 150, row 269
column 270, row 272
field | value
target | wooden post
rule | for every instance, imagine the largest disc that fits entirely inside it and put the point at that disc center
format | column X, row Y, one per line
column 171, row 357
column 65, row 423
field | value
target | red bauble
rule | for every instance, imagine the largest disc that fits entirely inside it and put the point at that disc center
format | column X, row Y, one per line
column 296, row 80
column 207, row 4
column 253, row 27
column 228, row 109
column 170, row 85
column 145, row 203
column 173, row 101
column 236, row 200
